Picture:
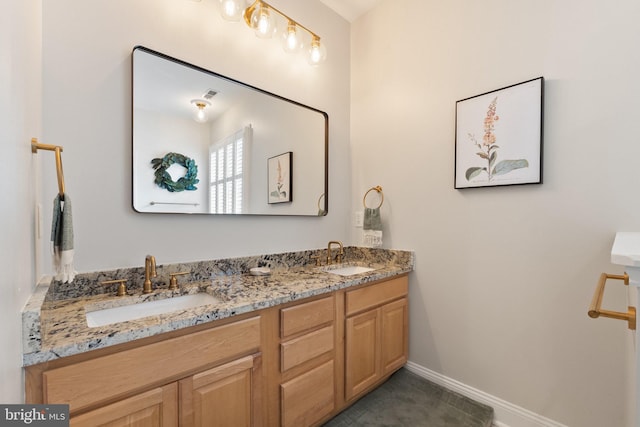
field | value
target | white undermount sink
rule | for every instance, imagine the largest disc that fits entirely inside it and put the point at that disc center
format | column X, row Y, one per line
column 109, row 316
column 349, row 270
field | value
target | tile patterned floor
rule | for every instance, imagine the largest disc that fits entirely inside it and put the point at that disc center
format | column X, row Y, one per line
column 408, row 400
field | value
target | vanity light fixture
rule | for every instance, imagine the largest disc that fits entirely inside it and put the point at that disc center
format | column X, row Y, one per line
column 231, row 10
column 263, row 19
column 201, row 115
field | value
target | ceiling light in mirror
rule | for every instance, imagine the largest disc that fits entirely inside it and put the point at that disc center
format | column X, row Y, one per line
column 201, row 115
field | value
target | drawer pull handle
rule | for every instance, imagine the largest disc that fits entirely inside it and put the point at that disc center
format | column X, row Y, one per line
column 595, row 311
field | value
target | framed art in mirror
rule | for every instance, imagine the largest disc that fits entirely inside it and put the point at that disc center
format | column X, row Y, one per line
column 279, row 179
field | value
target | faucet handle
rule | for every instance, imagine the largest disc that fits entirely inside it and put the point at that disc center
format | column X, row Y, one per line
column 122, row 287
column 317, row 258
column 173, row 282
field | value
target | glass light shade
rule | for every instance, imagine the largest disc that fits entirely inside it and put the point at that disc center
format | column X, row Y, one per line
column 317, row 52
column 200, row 114
column 231, row 10
column 291, row 39
column 263, row 22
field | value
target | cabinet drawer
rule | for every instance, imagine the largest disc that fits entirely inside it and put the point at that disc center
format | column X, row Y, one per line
column 306, row 347
column 116, row 375
column 308, row 398
column 306, row 316
column 374, row 295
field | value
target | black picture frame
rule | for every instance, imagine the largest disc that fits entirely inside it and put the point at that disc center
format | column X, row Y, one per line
column 499, row 137
column 280, row 179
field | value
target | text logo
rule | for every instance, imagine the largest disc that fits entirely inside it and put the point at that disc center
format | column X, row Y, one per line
column 34, row 415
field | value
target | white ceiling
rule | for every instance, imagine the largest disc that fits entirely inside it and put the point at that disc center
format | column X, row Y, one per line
column 155, row 88
column 351, row 9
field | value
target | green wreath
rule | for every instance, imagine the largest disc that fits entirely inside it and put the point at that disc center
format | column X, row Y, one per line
column 163, row 178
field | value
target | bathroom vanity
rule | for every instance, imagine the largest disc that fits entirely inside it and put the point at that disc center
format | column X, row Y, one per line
column 293, row 348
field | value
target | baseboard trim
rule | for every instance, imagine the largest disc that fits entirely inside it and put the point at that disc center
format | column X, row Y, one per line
column 505, row 414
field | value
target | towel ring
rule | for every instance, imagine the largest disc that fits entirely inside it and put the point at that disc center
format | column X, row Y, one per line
column 320, row 208
column 379, row 190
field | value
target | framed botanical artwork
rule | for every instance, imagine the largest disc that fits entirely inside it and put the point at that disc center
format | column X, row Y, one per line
column 279, row 169
column 499, row 137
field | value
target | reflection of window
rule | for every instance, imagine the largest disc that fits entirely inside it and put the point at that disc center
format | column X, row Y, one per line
column 227, row 163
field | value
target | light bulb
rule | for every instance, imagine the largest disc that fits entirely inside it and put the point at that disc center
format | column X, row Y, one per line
column 291, row 40
column 231, row 10
column 263, row 22
column 317, row 51
column 201, row 114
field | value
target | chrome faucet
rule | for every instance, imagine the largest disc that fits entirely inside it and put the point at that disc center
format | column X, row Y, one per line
column 338, row 256
column 149, row 272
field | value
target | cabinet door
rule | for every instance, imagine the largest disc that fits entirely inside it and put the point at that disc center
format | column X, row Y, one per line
column 362, row 366
column 309, row 397
column 395, row 331
column 224, row 396
column 154, row 408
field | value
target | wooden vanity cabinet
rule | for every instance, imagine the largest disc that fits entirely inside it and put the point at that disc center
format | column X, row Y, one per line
column 335, row 349
column 307, row 362
column 376, row 334
column 292, row 365
column 187, row 380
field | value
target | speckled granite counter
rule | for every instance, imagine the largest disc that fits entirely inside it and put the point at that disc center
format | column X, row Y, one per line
column 54, row 319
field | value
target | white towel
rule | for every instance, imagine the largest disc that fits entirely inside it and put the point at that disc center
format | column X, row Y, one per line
column 62, row 239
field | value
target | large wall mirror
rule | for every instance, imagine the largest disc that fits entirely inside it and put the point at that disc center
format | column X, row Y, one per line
column 205, row 143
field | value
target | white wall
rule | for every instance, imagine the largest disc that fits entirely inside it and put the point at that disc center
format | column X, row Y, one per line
column 504, row 276
column 87, row 109
column 165, row 133
column 303, row 135
column 20, row 115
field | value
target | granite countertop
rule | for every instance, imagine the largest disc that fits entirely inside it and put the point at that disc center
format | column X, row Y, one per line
column 54, row 319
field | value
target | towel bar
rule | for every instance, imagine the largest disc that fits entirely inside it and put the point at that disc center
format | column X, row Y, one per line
column 35, row 146
column 152, row 203
column 595, row 311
